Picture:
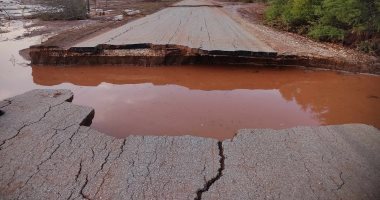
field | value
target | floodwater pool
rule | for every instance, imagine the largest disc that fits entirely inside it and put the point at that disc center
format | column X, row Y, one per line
column 208, row 101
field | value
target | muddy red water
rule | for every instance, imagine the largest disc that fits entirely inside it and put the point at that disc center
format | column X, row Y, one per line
column 199, row 100
column 216, row 101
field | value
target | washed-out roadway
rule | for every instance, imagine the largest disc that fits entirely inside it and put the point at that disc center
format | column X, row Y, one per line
column 47, row 151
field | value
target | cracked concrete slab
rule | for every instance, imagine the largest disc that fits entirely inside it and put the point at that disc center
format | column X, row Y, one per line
column 330, row 162
column 47, row 152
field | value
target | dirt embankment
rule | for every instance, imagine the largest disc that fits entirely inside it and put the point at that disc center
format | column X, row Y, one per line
column 251, row 16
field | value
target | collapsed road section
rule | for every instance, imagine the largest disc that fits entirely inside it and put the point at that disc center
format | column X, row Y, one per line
column 189, row 32
column 155, row 55
column 48, row 152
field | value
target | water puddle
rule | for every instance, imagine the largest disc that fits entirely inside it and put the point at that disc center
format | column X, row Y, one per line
column 215, row 101
column 198, row 100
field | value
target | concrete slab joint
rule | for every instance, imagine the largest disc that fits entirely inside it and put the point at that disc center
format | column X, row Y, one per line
column 47, row 151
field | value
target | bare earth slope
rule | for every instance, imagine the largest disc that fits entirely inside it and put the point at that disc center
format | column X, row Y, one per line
column 46, row 152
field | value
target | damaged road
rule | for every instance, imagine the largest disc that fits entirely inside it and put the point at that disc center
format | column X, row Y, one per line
column 47, row 151
column 190, row 23
column 187, row 33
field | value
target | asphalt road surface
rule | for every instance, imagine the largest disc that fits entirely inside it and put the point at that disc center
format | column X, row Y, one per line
column 192, row 23
column 47, row 153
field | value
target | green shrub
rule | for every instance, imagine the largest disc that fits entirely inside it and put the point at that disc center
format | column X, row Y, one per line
column 326, row 33
column 275, row 10
column 348, row 21
column 299, row 12
column 369, row 46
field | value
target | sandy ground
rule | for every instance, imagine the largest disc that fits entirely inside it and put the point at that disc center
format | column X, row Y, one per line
column 250, row 16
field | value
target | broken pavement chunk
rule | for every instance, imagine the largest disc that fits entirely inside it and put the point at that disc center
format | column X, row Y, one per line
column 46, row 154
column 328, row 162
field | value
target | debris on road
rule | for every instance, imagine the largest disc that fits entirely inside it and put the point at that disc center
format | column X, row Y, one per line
column 131, row 12
column 118, row 18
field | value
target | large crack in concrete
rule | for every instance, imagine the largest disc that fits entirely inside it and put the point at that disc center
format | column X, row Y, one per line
column 210, row 182
column 27, row 125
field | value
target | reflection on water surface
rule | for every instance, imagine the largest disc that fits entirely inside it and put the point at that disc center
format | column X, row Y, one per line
column 204, row 101
column 216, row 101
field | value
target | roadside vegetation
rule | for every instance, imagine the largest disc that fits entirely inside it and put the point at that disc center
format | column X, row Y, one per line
column 64, row 10
column 353, row 23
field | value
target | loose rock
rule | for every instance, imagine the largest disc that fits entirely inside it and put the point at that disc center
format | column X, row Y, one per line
column 118, row 18
column 131, row 12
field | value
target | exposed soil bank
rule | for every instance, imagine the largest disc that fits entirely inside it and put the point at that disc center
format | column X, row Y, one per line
column 46, row 153
column 152, row 55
